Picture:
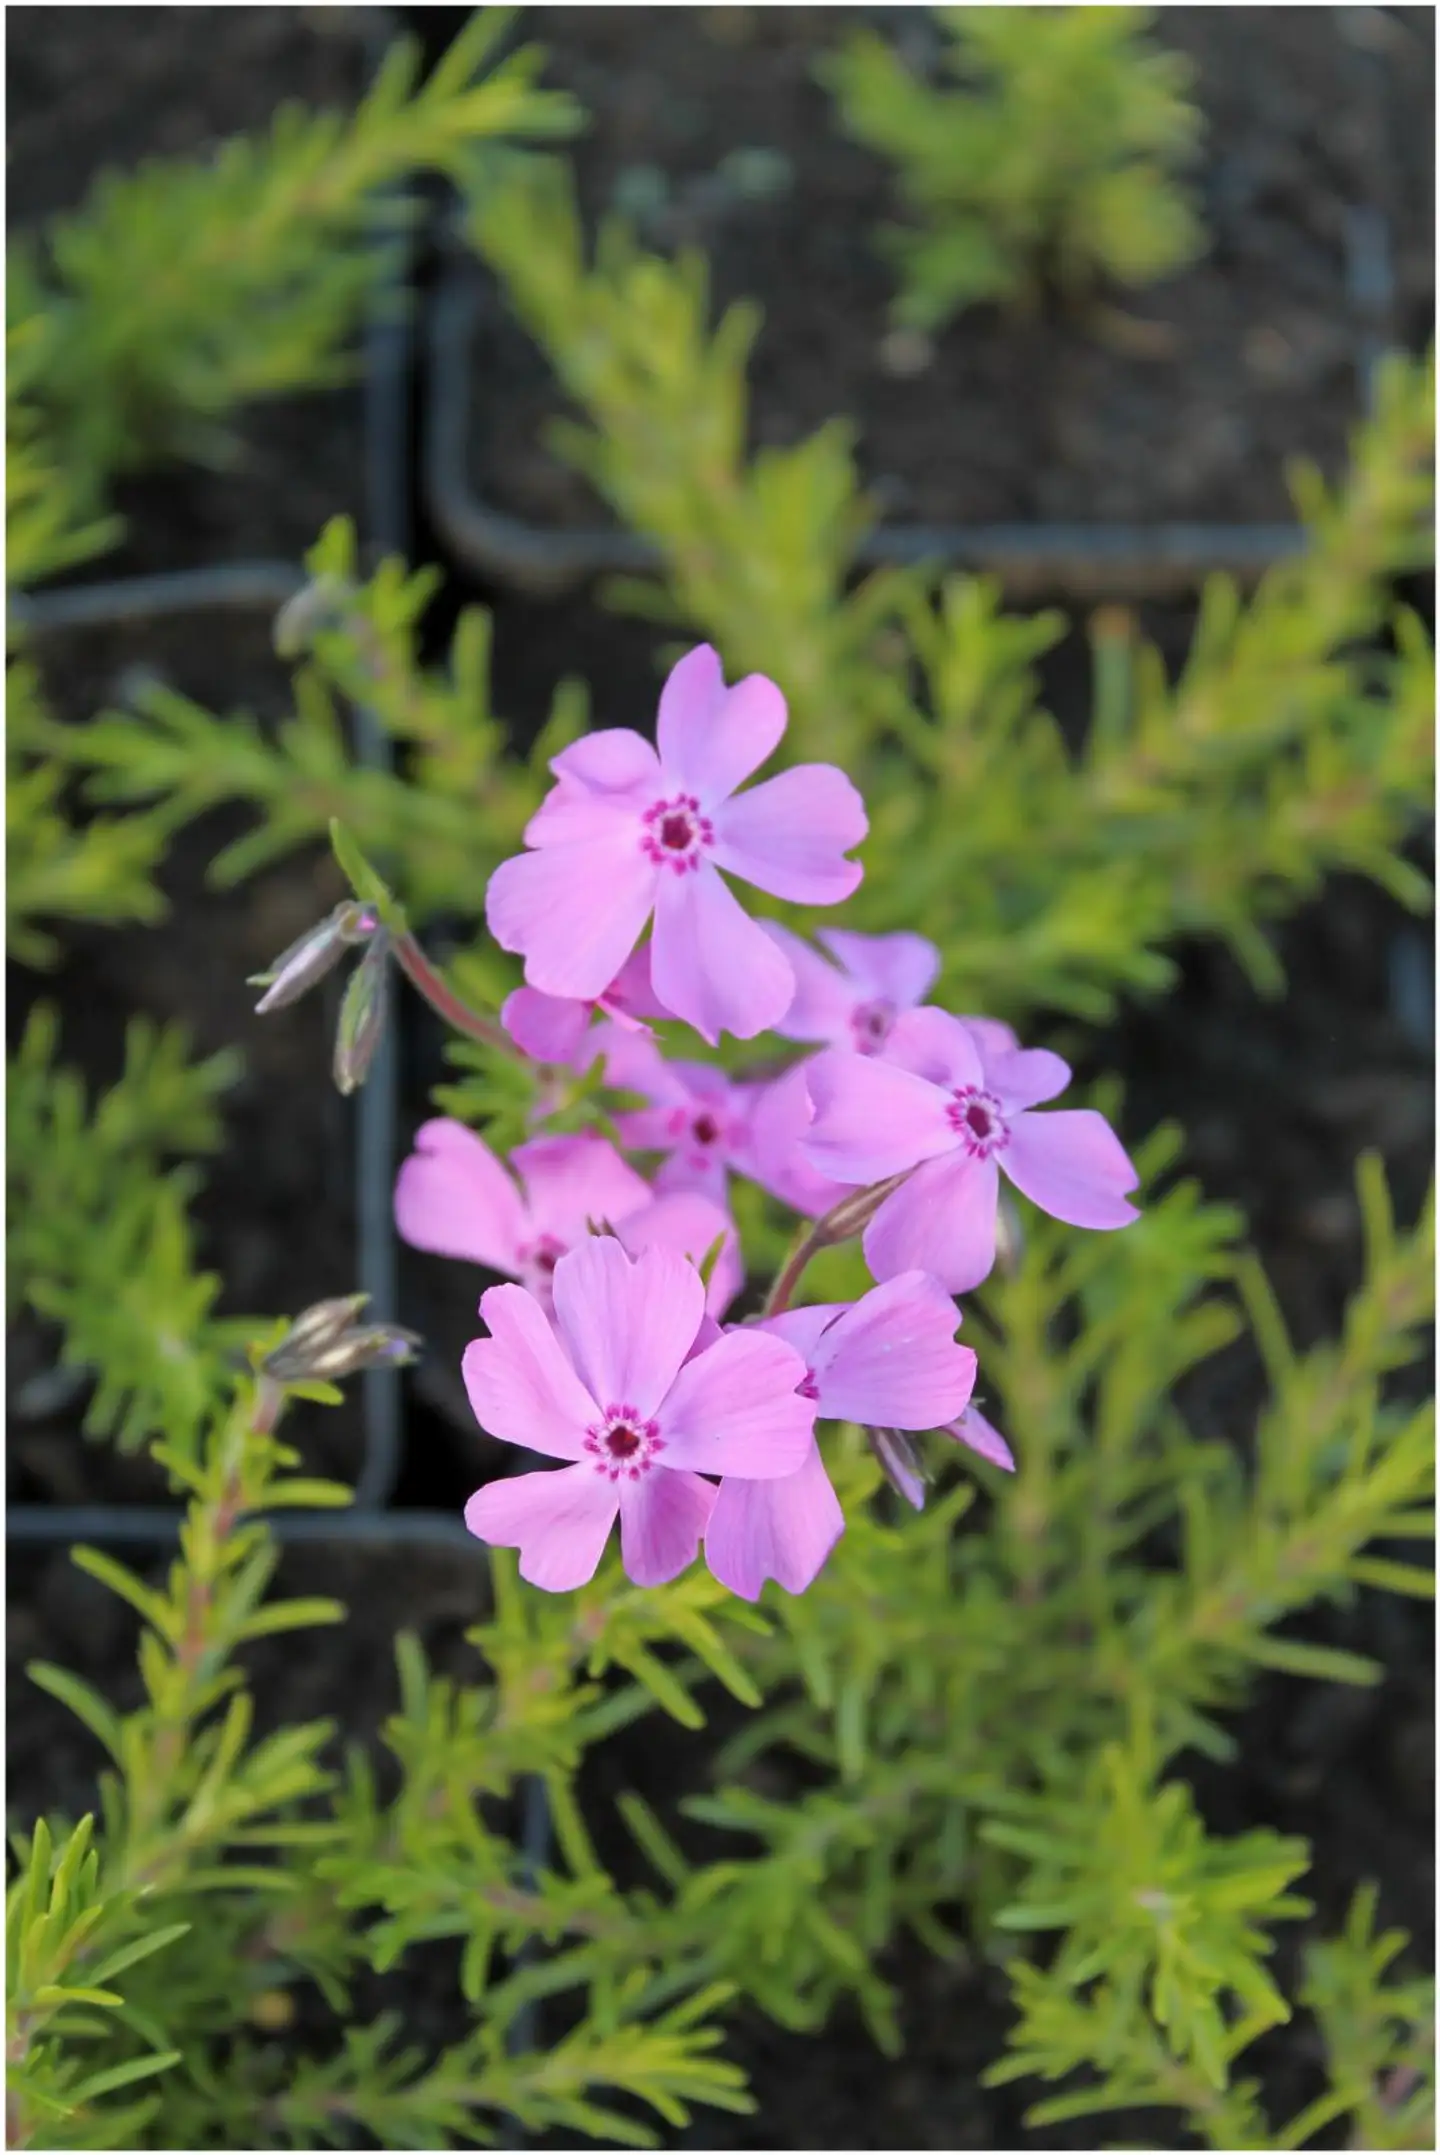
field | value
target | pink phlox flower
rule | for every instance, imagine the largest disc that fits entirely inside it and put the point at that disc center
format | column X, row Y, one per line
column 699, row 1118
column 854, row 1002
column 772, row 1149
column 689, row 1225
column 890, row 1360
column 956, row 1112
column 454, row 1198
column 557, row 1029
column 607, row 1387
column 628, row 832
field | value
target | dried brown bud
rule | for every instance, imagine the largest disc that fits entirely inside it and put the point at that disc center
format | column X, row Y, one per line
column 312, row 955
column 325, row 1344
column 322, row 604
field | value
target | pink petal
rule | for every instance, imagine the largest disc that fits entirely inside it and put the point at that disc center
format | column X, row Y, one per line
column 559, row 1520
column 520, row 1385
column 574, row 1183
column 1073, row 1166
column 452, row 1196
column 734, row 1409
column 982, row 1437
column 571, row 814
column 628, row 1322
column 789, row 835
column 549, row 1028
column 635, row 1062
column 1025, row 1077
column 774, row 1530
column 872, row 1119
column 616, row 760
column 712, row 965
column 773, row 1155
column 631, row 997
column 650, row 1129
column 662, row 1517
column 573, row 912
column 804, row 1328
column 992, row 1036
column 892, row 1358
column 900, row 969
column 711, row 738
column 824, row 998
column 689, row 1224
column 942, row 1221
column 933, row 1045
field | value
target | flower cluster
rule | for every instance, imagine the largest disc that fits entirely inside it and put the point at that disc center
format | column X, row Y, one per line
column 609, row 1350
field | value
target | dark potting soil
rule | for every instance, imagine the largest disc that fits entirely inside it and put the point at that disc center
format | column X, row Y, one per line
column 1277, row 1098
column 709, row 126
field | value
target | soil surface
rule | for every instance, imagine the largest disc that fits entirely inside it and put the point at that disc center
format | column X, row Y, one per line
column 709, row 129
column 1017, row 421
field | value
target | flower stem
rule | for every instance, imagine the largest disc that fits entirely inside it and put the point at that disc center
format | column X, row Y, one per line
column 840, row 1224
column 442, row 998
column 788, row 1278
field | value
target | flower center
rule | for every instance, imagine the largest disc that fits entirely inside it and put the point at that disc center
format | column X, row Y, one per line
column 675, row 834
column 870, row 1024
column 624, row 1444
column 975, row 1116
column 535, row 1262
column 705, row 1129
column 809, row 1389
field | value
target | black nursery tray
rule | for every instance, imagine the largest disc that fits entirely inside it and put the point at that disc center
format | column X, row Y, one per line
column 1316, row 151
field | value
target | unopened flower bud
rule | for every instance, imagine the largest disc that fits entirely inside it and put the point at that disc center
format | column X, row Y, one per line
column 311, row 956
column 322, row 604
column 854, row 1212
column 900, row 1463
column 325, row 1343
column 363, row 1013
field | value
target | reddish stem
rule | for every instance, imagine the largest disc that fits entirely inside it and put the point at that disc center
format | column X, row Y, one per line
column 441, row 996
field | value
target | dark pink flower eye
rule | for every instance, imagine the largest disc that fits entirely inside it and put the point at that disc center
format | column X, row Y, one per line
column 976, row 1116
column 621, row 1442
column 676, row 833
column 870, row 1024
column 705, row 1129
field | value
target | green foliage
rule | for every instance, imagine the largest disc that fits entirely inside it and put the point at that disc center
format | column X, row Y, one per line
column 187, row 1788
column 48, row 521
column 976, row 1725
column 181, row 290
column 439, row 829
column 1052, row 166
column 1288, row 747
column 102, row 870
column 1379, row 2035
column 100, row 1239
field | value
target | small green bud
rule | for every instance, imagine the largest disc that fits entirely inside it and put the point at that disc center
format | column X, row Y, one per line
column 363, row 1013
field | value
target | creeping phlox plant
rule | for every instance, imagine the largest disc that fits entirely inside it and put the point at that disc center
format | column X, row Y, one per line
column 989, row 1726
column 607, row 1349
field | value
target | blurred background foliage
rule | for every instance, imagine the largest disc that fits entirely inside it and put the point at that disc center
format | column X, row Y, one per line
column 981, row 1724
